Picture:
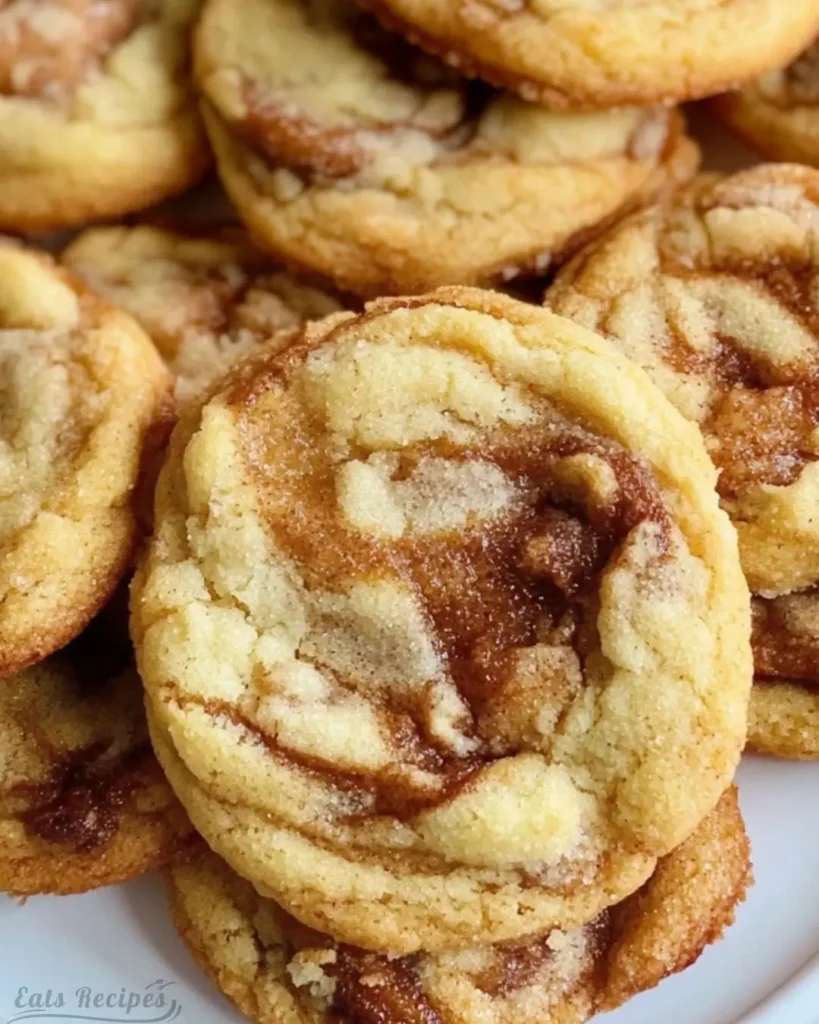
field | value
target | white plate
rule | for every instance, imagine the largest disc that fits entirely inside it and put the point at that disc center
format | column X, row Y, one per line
column 118, row 944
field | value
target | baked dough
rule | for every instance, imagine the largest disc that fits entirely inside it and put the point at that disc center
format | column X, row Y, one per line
column 84, row 394
column 594, row 54
column 779, row 113
column 97, row 116
column 277, row 971
column 83, row 802
column 349, row 153
column 205, row 299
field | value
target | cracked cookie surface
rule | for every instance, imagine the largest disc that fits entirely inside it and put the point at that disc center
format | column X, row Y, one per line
column 593, row 54
column 717, row 296
column 779, row 113
column 84, row 391
column 97, row 116
column 278, row 971
column 83, row 802
column 348, row 152
column 425, row 589
column 206, row 300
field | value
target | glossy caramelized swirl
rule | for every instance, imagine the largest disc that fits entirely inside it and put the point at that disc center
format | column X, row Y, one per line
column 205, row 300
column 406, row 174
column 275, row 969
column 717, row 296
column 426, row 587
column 83, row 390
column 82, row 800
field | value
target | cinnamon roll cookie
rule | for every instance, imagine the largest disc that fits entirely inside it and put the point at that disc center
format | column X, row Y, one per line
column 275, row 969
column 84, row 392
column 205, row 299
column 592, row 54
column 779, row 113
column 97, row 117
column 444, row 636
column 717, row 296
column 350, row 153
column 83, row 802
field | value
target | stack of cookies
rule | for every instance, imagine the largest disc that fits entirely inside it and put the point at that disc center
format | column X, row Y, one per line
column 450, row 614
column 445, row 644
column 85, row 396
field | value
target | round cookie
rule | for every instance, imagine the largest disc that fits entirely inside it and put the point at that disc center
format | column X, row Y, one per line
column 426, row 588
column 716, row 295
column 407, row 176
column 592, row 54
column 205, row 300
column 83, row 802
column 277, row 971
column 779, row 113
column 84, row 392
column 97, row 117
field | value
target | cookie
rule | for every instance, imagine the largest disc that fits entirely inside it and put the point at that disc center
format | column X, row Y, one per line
column 606, row 53
column 779, row 113
column 276, row 970
column 784, row 713
column 84, row 392
column 205, row 300
column 83, row 802
column 717, row 296
column 407, row 176
column 426, row 588
column 97, row 117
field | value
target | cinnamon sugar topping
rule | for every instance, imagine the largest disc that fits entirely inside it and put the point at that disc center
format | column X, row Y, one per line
column 764, row 437
column 481, row 581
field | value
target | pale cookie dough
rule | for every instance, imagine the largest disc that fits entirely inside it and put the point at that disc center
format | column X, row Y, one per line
column 84, row 393
column 779, row 113
column 717, row 297
column 350, row 153
column 444, row 636
column 206, row 300
column 277, row 971
column 97, row 115
column 593, row 54
column 83, row 802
